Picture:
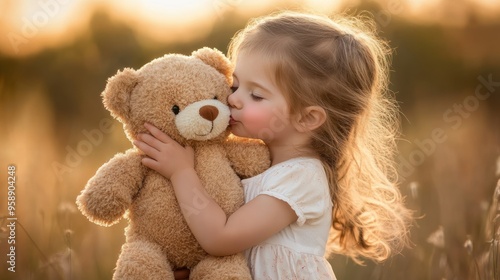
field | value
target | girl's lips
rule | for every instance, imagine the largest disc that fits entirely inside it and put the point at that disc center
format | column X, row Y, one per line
column 232, row 121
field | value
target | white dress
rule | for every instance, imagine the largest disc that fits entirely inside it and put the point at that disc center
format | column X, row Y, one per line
column 296, row 252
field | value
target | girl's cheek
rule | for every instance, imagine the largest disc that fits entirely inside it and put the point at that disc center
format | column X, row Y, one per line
column 263, row 121
column 255, row 115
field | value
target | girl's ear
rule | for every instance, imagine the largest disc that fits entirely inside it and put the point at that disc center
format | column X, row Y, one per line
column 311, row 118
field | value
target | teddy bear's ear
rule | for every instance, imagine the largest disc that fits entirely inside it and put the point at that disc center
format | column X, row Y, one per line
column 217, row 60
column 116, row 96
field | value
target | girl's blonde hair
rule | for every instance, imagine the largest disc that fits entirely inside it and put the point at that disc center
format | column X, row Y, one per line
column 343, row 67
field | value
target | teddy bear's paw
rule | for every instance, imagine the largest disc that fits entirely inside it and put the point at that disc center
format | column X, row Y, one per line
column 221, row 268
column 142, row 260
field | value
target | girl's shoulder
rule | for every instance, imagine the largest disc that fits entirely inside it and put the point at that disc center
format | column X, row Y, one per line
column 294, row 174
column 300, row 168
column 298, row 164
column 300, row 182
column 289, row 177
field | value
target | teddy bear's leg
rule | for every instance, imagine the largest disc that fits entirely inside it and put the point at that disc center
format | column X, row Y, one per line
column 221, row 268
column 142, row 260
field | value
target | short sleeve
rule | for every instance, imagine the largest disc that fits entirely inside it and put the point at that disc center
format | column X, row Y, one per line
column 301, row 184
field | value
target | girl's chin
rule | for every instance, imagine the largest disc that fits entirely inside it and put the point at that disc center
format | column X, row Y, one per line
column 235, row 131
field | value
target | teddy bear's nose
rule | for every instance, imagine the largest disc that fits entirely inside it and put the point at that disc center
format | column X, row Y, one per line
column 209, row 112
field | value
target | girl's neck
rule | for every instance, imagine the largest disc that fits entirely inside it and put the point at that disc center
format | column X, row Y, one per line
column 283, row 153
column 295, row 144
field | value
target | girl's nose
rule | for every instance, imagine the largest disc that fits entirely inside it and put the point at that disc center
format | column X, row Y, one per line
column 234, row 101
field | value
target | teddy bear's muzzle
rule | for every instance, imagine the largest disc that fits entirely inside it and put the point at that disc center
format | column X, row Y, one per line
column 203, row 120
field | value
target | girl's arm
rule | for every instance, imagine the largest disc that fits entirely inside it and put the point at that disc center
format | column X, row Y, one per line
column 218, row 234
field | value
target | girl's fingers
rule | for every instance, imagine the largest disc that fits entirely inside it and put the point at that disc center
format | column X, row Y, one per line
column 151, row 141
column 190, row 151
column 158, row 134
column 151, row 163
column 146, row 148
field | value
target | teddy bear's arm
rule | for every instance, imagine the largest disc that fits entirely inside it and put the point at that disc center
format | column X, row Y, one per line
column 248, row 157
column 109, row 193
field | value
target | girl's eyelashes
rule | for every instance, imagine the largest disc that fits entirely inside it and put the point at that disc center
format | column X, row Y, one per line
column 255, row 97
column 252, row 94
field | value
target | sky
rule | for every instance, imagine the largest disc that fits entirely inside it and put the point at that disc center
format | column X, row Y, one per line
column 27, row 26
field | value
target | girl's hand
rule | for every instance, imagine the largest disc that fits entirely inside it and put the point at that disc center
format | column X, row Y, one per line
column 164, row 155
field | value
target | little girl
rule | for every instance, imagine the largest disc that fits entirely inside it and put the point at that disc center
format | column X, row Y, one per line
column 315, row 91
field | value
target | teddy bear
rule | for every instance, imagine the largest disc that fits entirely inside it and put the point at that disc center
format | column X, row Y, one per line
column 186, row 98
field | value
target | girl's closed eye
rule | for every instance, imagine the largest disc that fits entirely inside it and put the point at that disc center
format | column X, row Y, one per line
column 255, row 97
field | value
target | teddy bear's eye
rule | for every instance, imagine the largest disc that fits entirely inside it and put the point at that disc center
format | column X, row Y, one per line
column 215, row 97
column 176, row 109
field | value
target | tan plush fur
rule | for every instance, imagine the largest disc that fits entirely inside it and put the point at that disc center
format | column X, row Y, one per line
column 158, row 239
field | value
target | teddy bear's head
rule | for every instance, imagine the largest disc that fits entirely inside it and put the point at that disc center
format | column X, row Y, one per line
column 184, row 96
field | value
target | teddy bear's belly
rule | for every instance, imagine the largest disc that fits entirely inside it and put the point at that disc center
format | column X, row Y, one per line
column 156, row 216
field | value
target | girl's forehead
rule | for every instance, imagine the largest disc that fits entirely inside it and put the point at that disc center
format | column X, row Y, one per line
column 254, row 70
column 254, row 60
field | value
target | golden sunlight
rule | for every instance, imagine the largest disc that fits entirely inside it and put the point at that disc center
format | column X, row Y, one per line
column 162, row 11
column 56, row 57
column 30, row 26
column 165, row 20
column 323, row 6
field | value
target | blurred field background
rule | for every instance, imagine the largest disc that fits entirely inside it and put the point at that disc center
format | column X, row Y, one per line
column 55, row 58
